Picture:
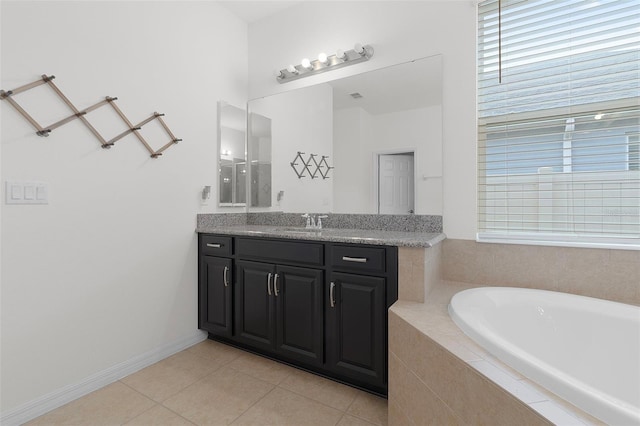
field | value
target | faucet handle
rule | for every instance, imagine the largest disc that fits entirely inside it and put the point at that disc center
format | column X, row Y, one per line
column 320, row 217
column 309, row 218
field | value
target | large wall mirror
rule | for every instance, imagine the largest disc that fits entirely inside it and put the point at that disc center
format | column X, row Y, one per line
column 379, row 131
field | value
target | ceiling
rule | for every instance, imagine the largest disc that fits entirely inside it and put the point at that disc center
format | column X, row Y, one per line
column 411, row 85
column 252, row 11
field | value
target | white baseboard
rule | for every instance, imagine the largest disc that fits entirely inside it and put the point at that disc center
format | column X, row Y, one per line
column 60, row 397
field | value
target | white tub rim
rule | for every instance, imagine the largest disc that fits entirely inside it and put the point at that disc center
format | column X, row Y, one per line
column 523, row 362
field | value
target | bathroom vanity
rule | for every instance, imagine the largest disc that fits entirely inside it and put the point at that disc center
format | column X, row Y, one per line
column 316, row 299
column 318, row 305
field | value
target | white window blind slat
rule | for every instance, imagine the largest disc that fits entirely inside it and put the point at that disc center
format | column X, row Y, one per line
column 559, row 122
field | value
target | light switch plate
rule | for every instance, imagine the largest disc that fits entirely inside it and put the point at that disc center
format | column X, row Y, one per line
column 26, row 192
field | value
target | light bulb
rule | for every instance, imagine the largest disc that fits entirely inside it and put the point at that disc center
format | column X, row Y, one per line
column 322, row 57
column 292, row 69
column 359, row 49
column 278, row 74
column 340, row 54
column 598, row 116
column 306, row 63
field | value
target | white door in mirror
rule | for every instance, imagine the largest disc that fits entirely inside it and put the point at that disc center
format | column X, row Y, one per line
column 396, row 195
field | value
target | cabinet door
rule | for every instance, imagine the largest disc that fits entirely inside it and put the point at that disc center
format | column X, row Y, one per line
column 215, row 286
column 254, row 314
column 356, row 315
column 299, row 313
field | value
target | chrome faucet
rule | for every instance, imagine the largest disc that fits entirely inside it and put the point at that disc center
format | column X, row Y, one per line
column 314, row 222
column 311, row 222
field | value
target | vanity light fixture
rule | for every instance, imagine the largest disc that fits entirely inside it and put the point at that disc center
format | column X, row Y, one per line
column 306, row 63
column 359, row 53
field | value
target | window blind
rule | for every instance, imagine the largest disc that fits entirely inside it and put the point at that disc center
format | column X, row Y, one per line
column 559, row 122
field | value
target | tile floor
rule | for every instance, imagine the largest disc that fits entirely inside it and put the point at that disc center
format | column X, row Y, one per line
column 215, row 384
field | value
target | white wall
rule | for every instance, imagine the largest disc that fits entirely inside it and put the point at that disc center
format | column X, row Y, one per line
column 358, row 136
column 107, row 270
column 399, row 31
column 292, row 115
column 353, row 188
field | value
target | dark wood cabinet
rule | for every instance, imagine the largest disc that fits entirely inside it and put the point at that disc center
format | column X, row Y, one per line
column 254, row 311
column 356, row 321
column 299, row 313
column 279, row 308
column 318, row 305
column 215, row 295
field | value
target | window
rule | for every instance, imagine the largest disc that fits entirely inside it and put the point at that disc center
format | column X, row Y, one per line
column 559, row 122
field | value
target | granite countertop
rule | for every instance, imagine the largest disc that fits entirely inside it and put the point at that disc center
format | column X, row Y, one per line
column 356, row 236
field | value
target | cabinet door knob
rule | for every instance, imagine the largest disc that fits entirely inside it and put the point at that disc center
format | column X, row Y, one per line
column 275, row 285
column 225, row 276
column 269, row 283
column 332, row 298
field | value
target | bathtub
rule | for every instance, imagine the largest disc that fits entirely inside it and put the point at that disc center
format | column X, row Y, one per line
column 585, row 350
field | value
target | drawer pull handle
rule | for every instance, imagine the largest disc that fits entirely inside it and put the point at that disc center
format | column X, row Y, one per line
column 275, row 285
column 355, row 259
column 214, row 245
column 269, row 283
column 225, row 276
column 332, row 298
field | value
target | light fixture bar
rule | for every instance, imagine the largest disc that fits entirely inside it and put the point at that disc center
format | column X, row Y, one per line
column 339, row 60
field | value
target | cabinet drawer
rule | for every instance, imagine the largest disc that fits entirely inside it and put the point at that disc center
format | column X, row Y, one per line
column 354, row 258
column 280, row 251
column 213, row 245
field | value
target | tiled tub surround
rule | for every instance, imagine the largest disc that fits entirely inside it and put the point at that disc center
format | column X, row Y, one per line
column 601, row 273
column 437, row 375
column 399, row 223
column 419, row 271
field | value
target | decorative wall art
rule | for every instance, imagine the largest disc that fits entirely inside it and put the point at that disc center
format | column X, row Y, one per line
column 312, row 166
column 46, row 130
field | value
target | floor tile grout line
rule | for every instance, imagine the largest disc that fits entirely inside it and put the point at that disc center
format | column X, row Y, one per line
column 311, row 399
column 340, row 419
column 178, row 414
column 187, row 387
column 368, row 420
column 252, row 405
column 255, row 376
column 145, row 411
column 173, row 394
column 136, row 391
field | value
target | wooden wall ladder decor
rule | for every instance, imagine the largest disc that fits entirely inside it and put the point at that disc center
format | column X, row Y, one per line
column 45, row 130
column 321, row 167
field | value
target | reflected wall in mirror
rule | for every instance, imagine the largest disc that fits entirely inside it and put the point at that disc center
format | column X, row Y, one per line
column 259, row 151
column 382, row 131
column 232, row 163
column 301, row 120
